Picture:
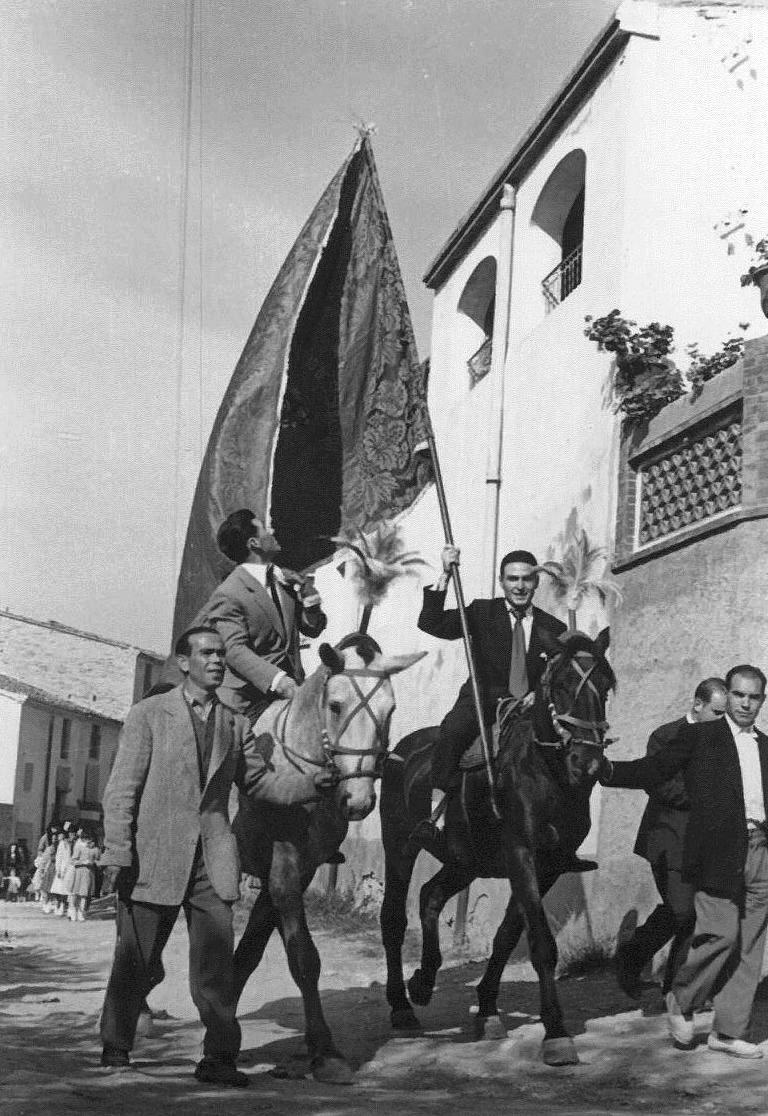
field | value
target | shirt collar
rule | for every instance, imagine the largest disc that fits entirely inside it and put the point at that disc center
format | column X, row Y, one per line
column 206, row 703
column 737, row 730
column 257, row 571
column 262, row 573
column 527, row 615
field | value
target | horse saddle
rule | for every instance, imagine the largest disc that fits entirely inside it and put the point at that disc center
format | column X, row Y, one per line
column 280, row 782
column 508, row 709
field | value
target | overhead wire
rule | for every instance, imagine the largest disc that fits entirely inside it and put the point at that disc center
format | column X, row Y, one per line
column 200, row 322
column 189, row 41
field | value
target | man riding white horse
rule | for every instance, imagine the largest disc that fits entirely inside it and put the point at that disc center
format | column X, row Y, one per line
column 260, row 611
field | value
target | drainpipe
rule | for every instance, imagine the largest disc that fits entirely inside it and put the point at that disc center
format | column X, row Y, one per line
column 500, row 341
column 47, row 776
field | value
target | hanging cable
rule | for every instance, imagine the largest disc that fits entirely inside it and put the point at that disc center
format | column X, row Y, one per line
column 201, row 408
column 189, row 42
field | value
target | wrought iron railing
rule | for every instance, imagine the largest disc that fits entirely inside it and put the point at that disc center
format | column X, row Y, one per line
column 562, row 280
column 479, row 364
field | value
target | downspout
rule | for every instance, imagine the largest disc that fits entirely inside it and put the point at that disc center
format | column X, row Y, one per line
column 499, row 343
column 47, row 776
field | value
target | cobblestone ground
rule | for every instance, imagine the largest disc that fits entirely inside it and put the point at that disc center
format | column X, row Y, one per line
column 52, row 975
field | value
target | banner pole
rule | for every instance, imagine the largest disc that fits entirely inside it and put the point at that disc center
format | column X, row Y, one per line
column 462, row 610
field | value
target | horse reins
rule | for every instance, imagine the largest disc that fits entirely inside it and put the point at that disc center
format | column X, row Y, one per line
column 330, row 774
column 564, row 723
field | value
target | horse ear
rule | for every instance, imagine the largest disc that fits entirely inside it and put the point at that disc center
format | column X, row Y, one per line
column 331, row 658
column 603, row 641
column 393, row 664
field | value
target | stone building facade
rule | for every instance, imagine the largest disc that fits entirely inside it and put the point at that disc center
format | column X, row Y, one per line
column 695, row 596
column 639, row 187
column 63, row 696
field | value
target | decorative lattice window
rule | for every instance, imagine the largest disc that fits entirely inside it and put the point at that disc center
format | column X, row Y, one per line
column 693, row 481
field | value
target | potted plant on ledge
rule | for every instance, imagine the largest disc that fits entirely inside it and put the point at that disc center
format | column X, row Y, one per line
column 644, row 379
column 757, row 273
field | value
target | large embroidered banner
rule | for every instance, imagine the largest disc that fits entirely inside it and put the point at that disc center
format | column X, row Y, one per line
column 317, row 428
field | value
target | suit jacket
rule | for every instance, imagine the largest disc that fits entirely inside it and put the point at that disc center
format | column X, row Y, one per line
column 259, row 642
column 715, row 845
column 665, row 819
column 491, row 632
column 154, row 810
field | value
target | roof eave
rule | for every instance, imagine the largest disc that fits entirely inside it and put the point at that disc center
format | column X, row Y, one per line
column 593, row 65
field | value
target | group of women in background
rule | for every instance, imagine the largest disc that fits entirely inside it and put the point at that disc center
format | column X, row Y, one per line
column 65, row 871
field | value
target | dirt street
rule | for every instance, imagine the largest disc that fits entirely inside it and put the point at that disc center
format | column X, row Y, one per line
column 52, row 975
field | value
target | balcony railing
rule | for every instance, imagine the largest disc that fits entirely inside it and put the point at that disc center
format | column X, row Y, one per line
column 562, row 280
column 479, row 364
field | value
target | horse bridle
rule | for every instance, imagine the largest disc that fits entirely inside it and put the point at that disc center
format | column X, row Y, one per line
column 329, row 774
column 566, row 725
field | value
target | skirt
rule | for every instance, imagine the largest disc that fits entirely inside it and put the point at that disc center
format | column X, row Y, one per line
column 62, row 885
column 47, row 875
column 84, row 881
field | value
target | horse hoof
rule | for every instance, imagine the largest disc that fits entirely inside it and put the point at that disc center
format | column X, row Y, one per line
column 489, row 1027
column 559, row 1052
column 419, row 989
column 404, row 1020
column 332, row 1071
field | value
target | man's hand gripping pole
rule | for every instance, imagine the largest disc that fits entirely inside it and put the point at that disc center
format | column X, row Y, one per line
column 462, row 609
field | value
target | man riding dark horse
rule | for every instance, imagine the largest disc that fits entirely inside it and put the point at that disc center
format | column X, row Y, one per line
column 507, row 646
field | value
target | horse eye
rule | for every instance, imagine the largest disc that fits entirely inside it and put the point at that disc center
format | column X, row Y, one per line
column 335, row 707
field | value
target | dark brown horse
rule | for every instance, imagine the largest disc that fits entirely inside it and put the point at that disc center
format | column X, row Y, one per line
column 546, row 768
column 330, row 741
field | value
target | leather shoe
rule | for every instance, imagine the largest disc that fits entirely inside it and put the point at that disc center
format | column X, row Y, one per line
column 114, row 1057
column 737, row 1048
column 681, row 1029
column 218, row 1071
column 627, row 974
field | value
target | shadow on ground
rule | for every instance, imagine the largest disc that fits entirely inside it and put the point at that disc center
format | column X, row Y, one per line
column 49, row 1035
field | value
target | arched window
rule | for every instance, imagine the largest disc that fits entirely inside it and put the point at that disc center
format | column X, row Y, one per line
column 559, row 215
column 477, row 303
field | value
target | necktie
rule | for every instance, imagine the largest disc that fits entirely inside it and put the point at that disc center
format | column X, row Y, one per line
column 518, row 672
column 275, row 592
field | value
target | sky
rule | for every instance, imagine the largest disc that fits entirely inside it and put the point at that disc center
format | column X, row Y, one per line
column 109, row 378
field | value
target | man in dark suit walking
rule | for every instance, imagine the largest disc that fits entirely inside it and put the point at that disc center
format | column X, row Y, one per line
column 660, row 842
column 260, row 611
column 506, row 642
column 725, row 857
column 169, row 844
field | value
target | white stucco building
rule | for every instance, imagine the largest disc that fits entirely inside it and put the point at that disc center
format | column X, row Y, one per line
column 641, row 187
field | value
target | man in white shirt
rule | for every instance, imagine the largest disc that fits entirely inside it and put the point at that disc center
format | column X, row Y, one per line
column 260, row 611
column 725, row 857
